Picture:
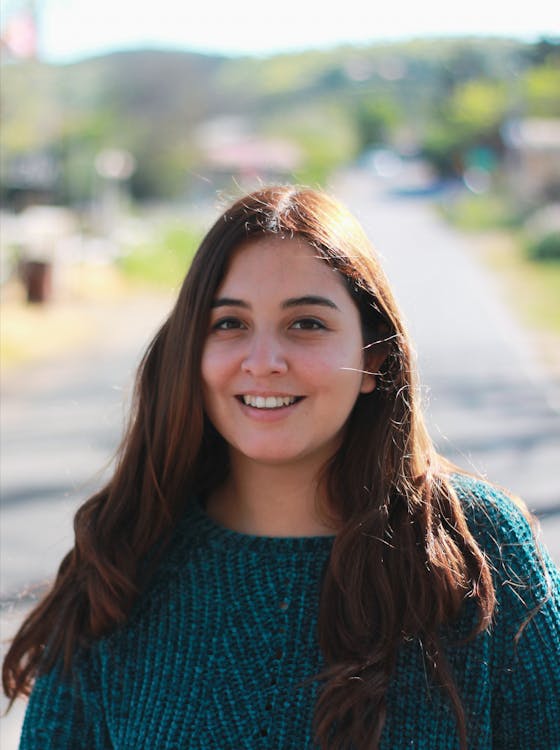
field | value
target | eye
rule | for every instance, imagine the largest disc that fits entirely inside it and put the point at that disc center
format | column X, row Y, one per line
column 308, row 324
column 227, row 324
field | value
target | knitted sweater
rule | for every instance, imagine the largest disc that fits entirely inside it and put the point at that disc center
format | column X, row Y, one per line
column 218, row 651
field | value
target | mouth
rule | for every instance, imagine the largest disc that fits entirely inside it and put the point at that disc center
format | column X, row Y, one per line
column 268, row 402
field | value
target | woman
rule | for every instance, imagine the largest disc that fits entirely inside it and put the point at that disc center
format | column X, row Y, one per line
column 281, row 559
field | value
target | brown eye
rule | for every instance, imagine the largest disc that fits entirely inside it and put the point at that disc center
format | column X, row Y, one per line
column 227, row 324
column 308, row 324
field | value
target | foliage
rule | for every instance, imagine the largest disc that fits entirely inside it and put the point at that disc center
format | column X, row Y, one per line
column 534, row 288
column 490, row 210
column 164, row 261
column 477, row 108
column 541, row 90
column 324, row 149
column 472, row 116
column 450, row 96
column 375, row 119
column 545, row 248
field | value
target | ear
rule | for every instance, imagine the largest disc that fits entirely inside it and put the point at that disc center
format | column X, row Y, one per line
column 372, row 363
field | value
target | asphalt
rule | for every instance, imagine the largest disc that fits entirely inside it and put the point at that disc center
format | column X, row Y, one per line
column 60, row 425
column 491, row 405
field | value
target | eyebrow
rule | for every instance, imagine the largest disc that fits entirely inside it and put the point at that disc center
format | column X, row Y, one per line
column 229, row 302
column 309, row 299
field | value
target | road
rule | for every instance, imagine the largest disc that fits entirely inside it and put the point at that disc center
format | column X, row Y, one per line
column 60, row 425
column 489, row 405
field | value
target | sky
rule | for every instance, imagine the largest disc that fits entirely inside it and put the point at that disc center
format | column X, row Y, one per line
column 74, row 29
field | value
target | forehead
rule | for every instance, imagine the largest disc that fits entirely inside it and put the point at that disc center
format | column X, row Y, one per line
column 278, row 261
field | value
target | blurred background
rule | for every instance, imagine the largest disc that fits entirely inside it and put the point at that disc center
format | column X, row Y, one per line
column 126, row 129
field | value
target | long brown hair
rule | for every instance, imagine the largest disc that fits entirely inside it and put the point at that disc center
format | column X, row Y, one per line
column 401, row 564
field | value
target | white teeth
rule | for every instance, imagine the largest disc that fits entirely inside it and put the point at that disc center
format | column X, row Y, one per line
column 270, row 402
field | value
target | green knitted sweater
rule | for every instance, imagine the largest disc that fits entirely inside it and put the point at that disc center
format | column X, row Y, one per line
column 218, row 651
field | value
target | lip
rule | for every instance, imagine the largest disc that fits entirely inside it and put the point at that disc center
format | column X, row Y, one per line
column 264, row 394
column 267, row 415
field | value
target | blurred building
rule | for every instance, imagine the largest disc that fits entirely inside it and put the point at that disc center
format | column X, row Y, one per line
column 28, row 179
column 229, row 151
column 532, row 159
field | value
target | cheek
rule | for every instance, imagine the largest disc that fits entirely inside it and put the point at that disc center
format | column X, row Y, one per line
column 213, row 381
column 341, row 363
column 206, row 372
column 215, row 366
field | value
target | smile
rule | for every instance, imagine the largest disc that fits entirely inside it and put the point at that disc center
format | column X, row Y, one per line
column 268, row 402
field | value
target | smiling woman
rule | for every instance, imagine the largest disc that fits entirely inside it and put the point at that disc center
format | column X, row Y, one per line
column 281, row 559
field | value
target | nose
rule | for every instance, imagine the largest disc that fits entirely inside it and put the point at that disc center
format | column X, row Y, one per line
column 265, row 356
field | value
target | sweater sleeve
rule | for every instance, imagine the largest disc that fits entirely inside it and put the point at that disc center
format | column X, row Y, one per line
column 526, row 631
column 65, row 710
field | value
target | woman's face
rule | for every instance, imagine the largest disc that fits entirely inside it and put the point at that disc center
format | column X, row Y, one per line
column 283, row 359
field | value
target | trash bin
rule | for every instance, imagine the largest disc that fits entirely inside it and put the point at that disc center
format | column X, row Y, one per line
column 37, row 276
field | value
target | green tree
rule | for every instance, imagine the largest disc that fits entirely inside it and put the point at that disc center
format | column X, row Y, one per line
column 472, row 116
column 376, row 118
column 541, row 91
column 325, row 135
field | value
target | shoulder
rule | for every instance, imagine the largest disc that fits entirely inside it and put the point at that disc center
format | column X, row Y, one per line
column 524, row 637
column 525, row 577
column 495, row 517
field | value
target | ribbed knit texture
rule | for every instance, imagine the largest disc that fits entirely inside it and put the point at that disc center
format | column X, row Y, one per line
column 219, row 650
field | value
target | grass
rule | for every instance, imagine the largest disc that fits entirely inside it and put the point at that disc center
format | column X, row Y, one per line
column 35, row 332
column 533, row 287
column 32, row 333
column 164, row 261
column 471, row 212
column 82, row 304
column 531, row 290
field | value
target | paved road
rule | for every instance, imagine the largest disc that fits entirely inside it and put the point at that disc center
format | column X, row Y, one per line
column 60, row 425
column 489, row 405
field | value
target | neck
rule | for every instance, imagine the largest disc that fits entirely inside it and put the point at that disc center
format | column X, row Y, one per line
column 268, row 500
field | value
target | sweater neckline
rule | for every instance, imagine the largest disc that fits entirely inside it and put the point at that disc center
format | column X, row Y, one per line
column 202, row 527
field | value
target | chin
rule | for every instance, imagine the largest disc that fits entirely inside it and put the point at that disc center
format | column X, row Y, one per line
column 272, row 458
column 282, row 455
column 272, row 454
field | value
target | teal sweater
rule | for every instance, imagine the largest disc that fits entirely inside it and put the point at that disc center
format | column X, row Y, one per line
column 218, row 651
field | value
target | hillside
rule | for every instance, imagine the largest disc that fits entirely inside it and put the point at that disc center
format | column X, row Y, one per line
column 332, row 104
